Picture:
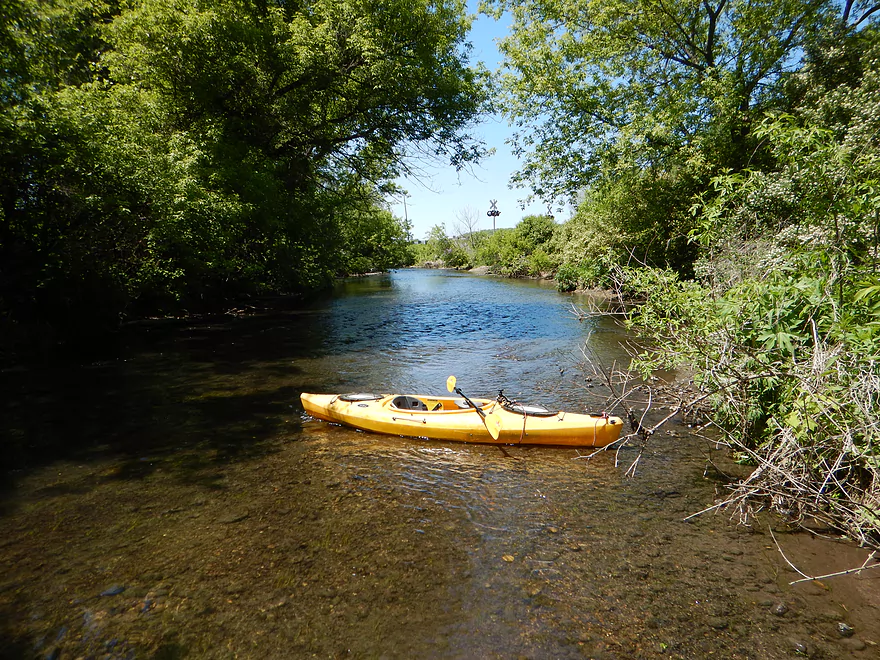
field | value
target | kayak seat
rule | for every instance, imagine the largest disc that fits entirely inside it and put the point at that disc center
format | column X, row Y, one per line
column 461, row 403
column 405, row 402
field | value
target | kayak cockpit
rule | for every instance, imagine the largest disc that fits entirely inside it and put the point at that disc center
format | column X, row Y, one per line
column 409, row 403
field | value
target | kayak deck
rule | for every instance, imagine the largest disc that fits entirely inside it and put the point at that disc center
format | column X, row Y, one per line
column 453, row 418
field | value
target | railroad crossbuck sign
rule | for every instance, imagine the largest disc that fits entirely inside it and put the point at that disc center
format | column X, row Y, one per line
column 493, row 212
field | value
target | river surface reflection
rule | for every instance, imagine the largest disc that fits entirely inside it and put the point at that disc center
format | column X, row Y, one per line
column 174, row 502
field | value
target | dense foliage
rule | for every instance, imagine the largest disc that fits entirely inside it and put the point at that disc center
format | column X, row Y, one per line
column 166, row 155
column 727, row 162
column 630, row 108
column 528, row 250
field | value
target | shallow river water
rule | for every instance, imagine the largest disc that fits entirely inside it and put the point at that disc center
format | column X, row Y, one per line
column 170, row 500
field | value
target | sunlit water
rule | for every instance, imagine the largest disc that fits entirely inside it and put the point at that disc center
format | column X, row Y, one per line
column 410, row 330
column 195, row 512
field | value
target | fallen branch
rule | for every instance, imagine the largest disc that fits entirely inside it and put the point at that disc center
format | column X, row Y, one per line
column 863, row 567
column 811, row 578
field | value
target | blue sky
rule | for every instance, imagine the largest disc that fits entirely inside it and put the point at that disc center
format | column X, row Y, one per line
column 441, row 192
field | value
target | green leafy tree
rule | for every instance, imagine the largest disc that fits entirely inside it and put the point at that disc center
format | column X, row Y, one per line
column 373, row 240
column 638, row 218
column 327, row 88
column 495, row 244
column 526, row 250
column 607, row 85
column 535, row 231
column 170, row 154
column 441, row 247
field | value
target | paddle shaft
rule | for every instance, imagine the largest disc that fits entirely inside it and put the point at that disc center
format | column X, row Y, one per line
column 491, row 421
column 470, row 403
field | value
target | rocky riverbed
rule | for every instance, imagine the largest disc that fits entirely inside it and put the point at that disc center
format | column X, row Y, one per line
column 335, row 543
column 171, row 501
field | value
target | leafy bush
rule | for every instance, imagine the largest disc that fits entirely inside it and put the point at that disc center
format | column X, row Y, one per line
column 540, row 263
column 451, row 252
column 586, row 274
column 793, row 378
column 639, row 218
column 787, row 346
column 567, row 277
column 533, row 232
column 372, row 239
column 526, row 250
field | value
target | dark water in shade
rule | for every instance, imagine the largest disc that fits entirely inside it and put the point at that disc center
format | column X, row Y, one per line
column 172, row 501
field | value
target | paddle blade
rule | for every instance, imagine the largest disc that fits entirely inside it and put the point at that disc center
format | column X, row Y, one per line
column 493, row 424
column 450, row 384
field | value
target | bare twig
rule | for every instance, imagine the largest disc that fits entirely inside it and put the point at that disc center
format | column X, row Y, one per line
column 787, row 561
column 810, row 578
column 863, row 567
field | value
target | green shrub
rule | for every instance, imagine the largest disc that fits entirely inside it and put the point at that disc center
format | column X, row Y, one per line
column 567, row 277
column 539, row 263
column 585, row 274
column 526, row 250
column 640, row 218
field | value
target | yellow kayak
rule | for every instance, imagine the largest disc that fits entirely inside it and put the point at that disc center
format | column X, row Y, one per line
column 451, row 418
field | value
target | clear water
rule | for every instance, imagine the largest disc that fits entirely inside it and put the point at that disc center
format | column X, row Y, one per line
column 172, row 501
column 409, row 330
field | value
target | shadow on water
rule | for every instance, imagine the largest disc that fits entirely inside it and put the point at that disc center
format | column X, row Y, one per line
column 12, row 648
column 220, row 388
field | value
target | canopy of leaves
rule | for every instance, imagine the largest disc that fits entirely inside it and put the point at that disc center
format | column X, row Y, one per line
column 163, row 155
column 601, row 86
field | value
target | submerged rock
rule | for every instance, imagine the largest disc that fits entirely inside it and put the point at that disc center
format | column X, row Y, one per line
column 780, row 609
column 800, row 647
column 853, row 644
column 844, row 629
column 115, row 590
column 234, row 517
column 718, row 623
